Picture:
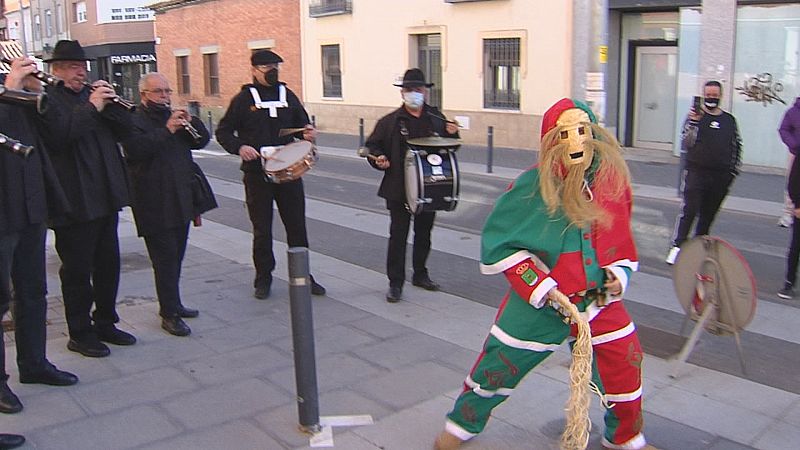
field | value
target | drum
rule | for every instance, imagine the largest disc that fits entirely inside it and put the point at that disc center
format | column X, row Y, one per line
column 288, row 162
column 432, row 181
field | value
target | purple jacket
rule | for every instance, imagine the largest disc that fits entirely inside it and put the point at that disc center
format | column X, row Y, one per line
column 790, row 128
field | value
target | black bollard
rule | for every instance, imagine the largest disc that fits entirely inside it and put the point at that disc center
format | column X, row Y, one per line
column 314, row 121
column 490, row 149
column 305, row 370
column 210, row 123
column 360, row 132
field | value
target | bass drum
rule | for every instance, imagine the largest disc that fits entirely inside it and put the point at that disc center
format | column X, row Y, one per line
column 432, row 181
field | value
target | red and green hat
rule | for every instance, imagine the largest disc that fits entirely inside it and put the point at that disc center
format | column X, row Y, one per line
column 551, row 115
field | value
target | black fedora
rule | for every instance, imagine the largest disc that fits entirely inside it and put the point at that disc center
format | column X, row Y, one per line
column 413, row 78
column 68, row 51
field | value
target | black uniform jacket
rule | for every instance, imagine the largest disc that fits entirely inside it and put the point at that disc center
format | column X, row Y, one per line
column 29, row 188
column 243, row 124
column 387, row 140
column 161, row 170
column 82, row 143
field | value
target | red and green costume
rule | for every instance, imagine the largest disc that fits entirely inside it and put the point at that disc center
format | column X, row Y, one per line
column 538, row 251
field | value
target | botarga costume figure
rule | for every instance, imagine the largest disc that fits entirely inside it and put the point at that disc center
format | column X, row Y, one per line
column 564, row 224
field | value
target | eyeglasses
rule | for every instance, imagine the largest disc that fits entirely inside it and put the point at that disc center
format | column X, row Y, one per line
column 266, row 67
column 160, row 91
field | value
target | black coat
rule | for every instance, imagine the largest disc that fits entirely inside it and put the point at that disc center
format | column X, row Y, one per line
column 29, row 188
column 245, row 125
column 386, row 140
column 82, row 144
column 162, row 171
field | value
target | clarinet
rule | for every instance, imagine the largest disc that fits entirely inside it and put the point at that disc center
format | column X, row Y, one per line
column 189, row 128
column 24, row 98
column 127, row 104
column 44, row 77
column 15, row 146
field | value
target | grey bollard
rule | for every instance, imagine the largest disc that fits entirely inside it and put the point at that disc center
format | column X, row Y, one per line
column 305, row 370
column 210, row 124
column 360, row 132
column 490, row 149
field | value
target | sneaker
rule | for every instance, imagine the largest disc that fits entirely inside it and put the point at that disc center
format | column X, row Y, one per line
column 672, row 256
column 787, row 292
column 785, row 221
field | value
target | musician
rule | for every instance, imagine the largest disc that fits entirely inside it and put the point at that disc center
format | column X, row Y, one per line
column 83, row 146
column 253, row 120
column 413, row 119
column 162, row 173
column 29, row 194
column 564, row 224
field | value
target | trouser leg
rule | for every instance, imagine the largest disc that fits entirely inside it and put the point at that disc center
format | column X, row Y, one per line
column 714, row 194
column 617, row 372
column 794, row 253
column 105, row 271
column 259, row 195
column 291, row 201
column 423, row 224
column 75, row 245
column 30, row 299
column 398, row 234
column 8, row 243
column 692, row 195
column 166, row 250
column 521, row 338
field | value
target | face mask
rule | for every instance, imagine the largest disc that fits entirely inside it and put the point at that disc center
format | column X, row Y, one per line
column 158, row 106
column 711, row 102
column 271, row 77
column 413, row 100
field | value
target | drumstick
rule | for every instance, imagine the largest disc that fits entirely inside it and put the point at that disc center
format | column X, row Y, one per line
column 364, row 153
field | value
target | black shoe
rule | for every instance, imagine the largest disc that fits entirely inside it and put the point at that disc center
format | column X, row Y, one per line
column 50, row 376
column 187, row 313
column 316, row 288
column 113, row 335
column 175, row 326
column 9, row 402
column 89, row 346
column 394, row 295
column 9, row 441
column 425, row 283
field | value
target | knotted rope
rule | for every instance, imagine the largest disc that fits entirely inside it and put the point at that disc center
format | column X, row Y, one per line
column 576, row 431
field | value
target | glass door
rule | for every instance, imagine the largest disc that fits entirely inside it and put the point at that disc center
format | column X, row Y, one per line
column 654, row 97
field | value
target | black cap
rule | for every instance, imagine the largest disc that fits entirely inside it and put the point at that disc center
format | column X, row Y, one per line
column 68, row 51
column 413, row 78
column 263, row 57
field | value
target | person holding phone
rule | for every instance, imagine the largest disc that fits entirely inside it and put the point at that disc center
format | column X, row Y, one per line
column 713, row 147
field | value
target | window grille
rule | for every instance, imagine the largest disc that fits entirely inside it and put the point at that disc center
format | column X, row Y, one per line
column 501, row 73
column 331, row 71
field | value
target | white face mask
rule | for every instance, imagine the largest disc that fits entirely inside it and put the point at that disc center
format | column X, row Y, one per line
column 413, row 100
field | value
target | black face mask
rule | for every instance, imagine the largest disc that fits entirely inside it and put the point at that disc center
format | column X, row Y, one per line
column 157, row 106
column 711, row 102
column 271, row 77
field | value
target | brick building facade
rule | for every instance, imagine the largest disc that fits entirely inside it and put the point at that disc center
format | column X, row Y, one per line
column 215, row 37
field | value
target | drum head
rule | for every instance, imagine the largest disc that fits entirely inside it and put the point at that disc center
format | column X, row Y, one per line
column 287, row 155
column 708, row 267
column 413, row 179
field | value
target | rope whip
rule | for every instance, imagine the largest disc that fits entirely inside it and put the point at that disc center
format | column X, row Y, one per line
column 576, row 431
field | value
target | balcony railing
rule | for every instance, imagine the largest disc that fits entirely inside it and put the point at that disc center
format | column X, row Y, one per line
column 321, row 8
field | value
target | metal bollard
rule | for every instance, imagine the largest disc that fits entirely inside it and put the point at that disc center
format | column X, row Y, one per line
column 210, row 123
column 360, row 132
column 305, row 370
column 490, row 149
column 314, row 121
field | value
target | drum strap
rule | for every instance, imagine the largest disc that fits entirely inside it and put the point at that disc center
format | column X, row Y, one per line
column 271, row 105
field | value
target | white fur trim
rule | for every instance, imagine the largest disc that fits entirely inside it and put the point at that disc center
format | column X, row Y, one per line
column 627, row 397
column 453, row 428
column 507, row 262
column 614, row 335
column 634, row 444
column 476, row 388
column 511, row 341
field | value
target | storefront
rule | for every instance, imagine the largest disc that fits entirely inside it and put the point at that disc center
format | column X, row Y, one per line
column 122, row 65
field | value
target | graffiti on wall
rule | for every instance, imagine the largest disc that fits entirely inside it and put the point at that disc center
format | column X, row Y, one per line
column 761, row 88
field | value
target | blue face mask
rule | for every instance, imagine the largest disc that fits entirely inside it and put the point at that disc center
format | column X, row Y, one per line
column 414, row 100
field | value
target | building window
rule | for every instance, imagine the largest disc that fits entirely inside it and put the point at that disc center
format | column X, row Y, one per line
column 48, row 23
column 211, row 73
column 59, row 16
column 320, row 8
column 501, row 73
column 182, row 65
column 37, row 28
column 79, row 12
column 429, row 60
column 331, row 71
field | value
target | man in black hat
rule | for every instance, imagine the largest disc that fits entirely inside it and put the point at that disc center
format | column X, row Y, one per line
column 414, row 119
column 251, row 128
column 82, row 142
column 29, row 194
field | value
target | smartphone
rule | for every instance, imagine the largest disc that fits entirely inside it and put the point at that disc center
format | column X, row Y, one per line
column 698, row 104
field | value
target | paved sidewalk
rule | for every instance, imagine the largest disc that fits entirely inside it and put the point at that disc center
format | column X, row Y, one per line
column 230, row 385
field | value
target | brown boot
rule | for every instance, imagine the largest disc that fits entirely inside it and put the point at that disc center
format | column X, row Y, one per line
column 446, row 441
